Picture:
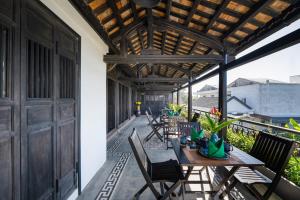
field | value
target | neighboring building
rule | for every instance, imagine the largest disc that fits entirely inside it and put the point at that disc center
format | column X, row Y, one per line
column 295, row 79
column 267, row 99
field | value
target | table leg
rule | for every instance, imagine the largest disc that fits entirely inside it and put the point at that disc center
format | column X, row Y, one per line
column 225, row 179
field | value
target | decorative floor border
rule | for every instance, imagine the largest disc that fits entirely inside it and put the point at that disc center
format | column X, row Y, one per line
column 112, row 180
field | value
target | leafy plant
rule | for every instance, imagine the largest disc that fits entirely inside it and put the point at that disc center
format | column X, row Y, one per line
column 293, row 124
column 175, row 107
column 214, row 126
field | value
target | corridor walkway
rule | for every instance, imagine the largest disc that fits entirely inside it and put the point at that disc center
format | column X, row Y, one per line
column 120, row 177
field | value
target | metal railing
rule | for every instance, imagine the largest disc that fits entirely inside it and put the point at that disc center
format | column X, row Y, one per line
column 251, row 127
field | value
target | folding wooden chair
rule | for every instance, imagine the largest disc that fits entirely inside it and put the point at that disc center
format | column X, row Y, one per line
column 155, row 129
column 154, row 117
column 161, row 172
column 185, row 128
column 171, row 128
column 275, row 152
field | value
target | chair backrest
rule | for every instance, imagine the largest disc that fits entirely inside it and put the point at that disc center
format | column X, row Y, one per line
column 195, row 118
column 148, row 117
column 184, row 128
column 150, row 111
column 273, row 150
column 139, row 152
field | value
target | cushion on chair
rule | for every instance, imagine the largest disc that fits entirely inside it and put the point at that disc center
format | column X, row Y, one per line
column 169, row 171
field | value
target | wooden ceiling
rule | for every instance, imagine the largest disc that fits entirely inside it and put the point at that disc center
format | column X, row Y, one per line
column 186, row 27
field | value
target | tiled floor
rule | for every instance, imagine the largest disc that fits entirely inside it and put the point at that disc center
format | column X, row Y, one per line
column 120, row 177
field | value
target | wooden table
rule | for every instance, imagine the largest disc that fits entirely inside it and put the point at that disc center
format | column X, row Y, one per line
column 192, row 158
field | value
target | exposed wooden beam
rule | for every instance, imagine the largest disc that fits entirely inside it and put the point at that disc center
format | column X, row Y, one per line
column 217, row 13
column 177, row 67
column 174, row 73
column 163, row 42
column 284, row 42
column 134, row 11
column 288, row 16
column 255, row 9
column 88, row 15
column 155, row 80
column 174, row 66
column 149, row 27
column 141, row 39
column 203, row 38
column 192, row 12
column 194, row 47
column 168, row 9
column 160, row 59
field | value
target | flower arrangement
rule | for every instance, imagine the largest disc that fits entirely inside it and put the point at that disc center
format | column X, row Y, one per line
column 138, row 103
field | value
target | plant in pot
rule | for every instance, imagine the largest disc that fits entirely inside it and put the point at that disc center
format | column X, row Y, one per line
column 215, row 145
column 175, row 109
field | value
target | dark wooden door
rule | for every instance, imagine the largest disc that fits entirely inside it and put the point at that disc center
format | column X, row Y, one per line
column 67, row 112
column 37, row 105
column 49, row 104
column 9, row 102
column 110, row 105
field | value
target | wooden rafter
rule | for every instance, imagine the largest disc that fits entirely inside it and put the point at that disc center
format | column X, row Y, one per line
column 217, row 13
column 160, row 59
column 256, row 8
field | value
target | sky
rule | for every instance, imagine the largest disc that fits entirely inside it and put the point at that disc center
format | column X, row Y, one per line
column 278, row 66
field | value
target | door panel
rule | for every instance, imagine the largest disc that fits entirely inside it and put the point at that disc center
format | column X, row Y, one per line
column 6, row 166
column 67, row 113
column 7, row 8
column 9, row 107
column 40, row 164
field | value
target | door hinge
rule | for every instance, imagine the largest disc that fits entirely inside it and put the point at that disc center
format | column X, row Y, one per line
column 56, row 47
column 77, row 58
column 77, row 167
column 56, row 185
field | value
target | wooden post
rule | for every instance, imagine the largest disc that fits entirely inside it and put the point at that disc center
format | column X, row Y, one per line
column 223, row 95
column 190, row 99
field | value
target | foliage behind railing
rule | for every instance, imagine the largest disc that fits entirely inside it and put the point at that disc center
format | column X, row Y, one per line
column 242, row 135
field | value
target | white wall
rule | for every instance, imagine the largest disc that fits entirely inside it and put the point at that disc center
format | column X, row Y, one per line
column 234, row 106
column 93, row 90
column 280, row 100
column 274, row 100
column 251, row 93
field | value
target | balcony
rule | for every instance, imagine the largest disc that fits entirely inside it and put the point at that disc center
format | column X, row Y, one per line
column 72, row 72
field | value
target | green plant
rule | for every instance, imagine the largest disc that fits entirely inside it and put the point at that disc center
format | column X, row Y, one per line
column 293, row 124
column 292, row 171
column 240, row 140
column 214, row 126
column 175, row 107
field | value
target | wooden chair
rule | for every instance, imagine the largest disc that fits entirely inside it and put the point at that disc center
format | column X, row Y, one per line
column 154, row 117
column 171, row 128
column 155, row 129
column 184, row 128
column 275, row 152
column 161, row 172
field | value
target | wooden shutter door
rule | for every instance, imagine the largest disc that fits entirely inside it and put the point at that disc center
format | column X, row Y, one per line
column 37, row 104
column 9, row 102
column 67, row 72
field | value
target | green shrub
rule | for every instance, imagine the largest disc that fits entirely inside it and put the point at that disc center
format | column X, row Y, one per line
column 245, row 143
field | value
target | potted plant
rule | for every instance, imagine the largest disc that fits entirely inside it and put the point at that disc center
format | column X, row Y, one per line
column 138, row 108
column 216, row 145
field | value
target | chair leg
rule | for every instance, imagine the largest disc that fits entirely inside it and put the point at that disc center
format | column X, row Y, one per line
column 137, row 195
column 161, row 188
column 182, row 190
column 172, row 188
column 228, row 188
